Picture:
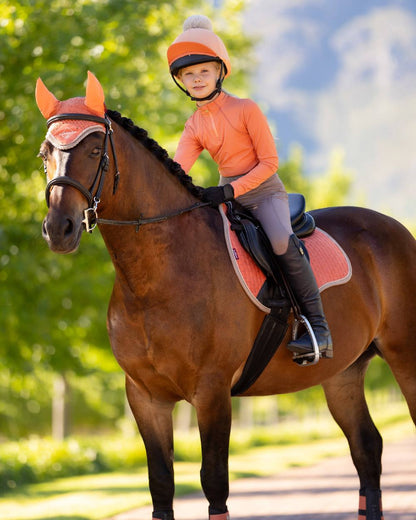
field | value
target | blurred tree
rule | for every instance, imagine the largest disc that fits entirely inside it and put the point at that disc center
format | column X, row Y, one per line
column 52, row 308
column 326, row 189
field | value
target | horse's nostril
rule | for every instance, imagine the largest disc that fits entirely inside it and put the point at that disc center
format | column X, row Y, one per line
column 69, row 228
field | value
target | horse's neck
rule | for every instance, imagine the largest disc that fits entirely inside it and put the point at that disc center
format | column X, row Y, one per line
column 146, row 189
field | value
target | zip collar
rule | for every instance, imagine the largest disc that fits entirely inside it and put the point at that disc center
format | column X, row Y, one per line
column 214, row 105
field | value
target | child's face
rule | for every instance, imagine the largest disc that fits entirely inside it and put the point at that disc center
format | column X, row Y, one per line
column 201, row 79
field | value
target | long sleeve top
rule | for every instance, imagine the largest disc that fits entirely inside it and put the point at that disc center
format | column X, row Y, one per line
column 236, row 134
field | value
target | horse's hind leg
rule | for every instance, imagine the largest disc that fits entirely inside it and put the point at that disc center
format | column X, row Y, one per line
column 400, row 355
column 154, row 420
column 346, row 401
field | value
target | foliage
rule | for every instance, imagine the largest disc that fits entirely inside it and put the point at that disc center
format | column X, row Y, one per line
column 52, row 308
column 329, row 189
column 97, row 401
column 42, row 460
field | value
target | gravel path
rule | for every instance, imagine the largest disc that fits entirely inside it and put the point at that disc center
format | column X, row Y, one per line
column 325, row 491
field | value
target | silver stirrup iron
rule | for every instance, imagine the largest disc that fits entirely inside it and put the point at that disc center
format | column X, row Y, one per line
column 305, row 359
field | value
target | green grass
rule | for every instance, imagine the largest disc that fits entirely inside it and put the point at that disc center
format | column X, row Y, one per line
column 76, row 498
column 100, row 496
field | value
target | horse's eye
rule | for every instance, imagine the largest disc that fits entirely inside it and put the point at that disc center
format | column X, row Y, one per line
column 95, row 152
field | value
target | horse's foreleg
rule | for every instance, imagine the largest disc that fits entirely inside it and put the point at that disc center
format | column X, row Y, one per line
column 154, row 420
column 214, row 422
column 346, row 401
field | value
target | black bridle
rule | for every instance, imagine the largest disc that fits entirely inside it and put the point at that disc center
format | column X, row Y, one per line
column 93, row 193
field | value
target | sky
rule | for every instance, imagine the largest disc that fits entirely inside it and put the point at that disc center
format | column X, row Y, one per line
column 340, row 76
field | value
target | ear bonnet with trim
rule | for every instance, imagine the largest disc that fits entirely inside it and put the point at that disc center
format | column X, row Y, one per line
column 68, row 133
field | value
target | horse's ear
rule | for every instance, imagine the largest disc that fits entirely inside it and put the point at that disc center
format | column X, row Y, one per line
column 45, row 100
column 94, row 98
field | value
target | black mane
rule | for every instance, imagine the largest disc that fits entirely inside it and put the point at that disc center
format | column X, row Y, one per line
column 160, row 153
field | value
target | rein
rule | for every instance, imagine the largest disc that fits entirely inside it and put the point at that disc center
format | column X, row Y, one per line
column 151, row 220
column 91, row 219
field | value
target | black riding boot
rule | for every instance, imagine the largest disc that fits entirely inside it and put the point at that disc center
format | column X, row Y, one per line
column 299, row 275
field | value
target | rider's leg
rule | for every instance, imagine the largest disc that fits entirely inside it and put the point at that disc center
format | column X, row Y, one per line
column 299, row 275
column 274, row 215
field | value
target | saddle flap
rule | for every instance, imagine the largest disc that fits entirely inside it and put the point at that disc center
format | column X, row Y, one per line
column 254, row 241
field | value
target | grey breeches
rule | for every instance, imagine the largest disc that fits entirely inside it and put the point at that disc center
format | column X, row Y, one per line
column 269, row 204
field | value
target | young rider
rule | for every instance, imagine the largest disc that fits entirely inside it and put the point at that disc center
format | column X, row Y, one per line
column 236, row 134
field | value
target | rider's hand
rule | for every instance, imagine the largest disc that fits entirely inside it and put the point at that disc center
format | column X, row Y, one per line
column 216, row 195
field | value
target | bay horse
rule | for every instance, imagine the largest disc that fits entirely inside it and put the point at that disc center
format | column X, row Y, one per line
column 179, row 322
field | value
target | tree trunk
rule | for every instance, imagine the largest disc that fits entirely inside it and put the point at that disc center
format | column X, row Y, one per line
column 60, row 408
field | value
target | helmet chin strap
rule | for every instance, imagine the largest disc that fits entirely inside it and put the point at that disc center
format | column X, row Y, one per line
column 217, row 90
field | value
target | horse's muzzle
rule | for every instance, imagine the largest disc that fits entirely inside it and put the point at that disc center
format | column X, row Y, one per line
column 62, row 232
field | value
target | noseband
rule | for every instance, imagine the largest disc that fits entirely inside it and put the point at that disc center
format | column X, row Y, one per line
column 93, row 193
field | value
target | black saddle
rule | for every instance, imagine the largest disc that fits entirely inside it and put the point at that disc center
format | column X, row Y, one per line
column 303, row 224
column 275, row 293
column 254, row 239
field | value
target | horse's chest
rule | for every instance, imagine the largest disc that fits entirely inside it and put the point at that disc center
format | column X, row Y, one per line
column 140, row 334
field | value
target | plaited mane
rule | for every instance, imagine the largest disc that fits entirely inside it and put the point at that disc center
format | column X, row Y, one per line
column 160, row 153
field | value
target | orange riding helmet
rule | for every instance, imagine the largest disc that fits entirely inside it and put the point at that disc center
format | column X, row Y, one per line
column 198, row 44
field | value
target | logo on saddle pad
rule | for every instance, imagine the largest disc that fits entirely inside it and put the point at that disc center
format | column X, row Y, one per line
column 329, row 262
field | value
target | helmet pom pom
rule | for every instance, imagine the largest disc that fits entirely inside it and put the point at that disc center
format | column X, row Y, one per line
column 197, row 21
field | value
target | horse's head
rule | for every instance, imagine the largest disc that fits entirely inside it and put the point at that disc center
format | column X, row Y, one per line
column 75, row 161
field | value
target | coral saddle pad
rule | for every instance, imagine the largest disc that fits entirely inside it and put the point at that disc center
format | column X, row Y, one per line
column 329, row 262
